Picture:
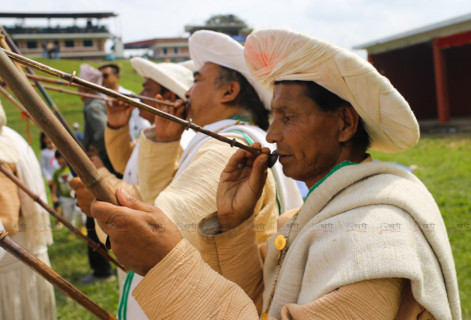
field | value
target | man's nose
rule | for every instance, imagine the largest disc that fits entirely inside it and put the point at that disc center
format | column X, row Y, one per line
column 274, row 132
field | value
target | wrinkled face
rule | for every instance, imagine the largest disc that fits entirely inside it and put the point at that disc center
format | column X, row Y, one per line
column 150, row 89
column 306, row 137
column 203, row 95
column 110, row 79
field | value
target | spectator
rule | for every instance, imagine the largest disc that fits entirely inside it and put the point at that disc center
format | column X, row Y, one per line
column 60, row 185
column 111, row 74
column 48, row 161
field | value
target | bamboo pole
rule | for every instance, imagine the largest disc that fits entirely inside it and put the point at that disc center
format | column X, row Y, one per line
column 66, row 83
column 75, row 93
column 74, row 155
column 36, row 77
column 95, row 96
column 13, row 100
column 273, row 157
column 53, row 277
column 92, row 244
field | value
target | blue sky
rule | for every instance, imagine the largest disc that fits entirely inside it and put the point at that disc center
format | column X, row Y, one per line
column 343, row 22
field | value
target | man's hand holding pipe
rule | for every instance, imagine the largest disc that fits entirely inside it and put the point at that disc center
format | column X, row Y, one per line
column 166, row 130
column 241, row 186
column 140, row 235
column 118, row 113
column 83, row 196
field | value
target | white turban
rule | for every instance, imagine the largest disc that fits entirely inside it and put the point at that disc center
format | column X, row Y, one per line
column 172, row 76
column 189, row 64
column 274, row 55
column 219, row 48
column 87, row 72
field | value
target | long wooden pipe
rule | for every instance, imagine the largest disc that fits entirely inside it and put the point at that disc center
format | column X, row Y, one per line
column 48, row 123
column 95, row 96
column 92, row 244
column 13, row 100
column 75, row 93
column 273, row 157
column 36, row 77
column 67, row 83
column 53, row 277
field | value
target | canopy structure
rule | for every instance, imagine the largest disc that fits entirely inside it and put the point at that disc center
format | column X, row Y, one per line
column 430, row 67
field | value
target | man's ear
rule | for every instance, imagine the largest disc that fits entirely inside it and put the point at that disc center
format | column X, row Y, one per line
column 230, row 92
column 169, row 95
column 348, row 123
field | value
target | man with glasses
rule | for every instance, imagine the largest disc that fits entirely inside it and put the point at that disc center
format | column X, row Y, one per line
column 111, row 74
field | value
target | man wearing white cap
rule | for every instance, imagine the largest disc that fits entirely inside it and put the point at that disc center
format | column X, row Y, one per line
column 25, row 294
column 166, row 81
column 361, row 247
column 189, row 194
column 226, row 99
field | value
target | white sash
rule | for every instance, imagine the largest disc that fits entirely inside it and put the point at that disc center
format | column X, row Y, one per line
column 287, row 189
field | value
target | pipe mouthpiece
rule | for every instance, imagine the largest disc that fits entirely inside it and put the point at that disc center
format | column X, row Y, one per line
column 272, row 158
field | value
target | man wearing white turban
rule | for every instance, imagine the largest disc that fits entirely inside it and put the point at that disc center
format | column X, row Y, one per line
column 225, row 98
column 24, row 293
column 369, row 241
column 167, row 81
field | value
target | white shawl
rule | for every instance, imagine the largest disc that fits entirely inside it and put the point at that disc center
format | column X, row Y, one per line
column 36, row 220
column 367, row 221
column 287, row 189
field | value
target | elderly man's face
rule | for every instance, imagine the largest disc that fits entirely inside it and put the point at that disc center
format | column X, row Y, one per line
column 306, row 136
column 203, row 95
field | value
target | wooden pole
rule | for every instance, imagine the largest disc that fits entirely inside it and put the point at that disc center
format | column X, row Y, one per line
column 51, row 80
column 441, row 84
column 69, row 84
column 273, row 157
column 13, row 100
column 8, row 44
column 49, row 124
column 53, row 277
column 75, row 93
column 92, row 244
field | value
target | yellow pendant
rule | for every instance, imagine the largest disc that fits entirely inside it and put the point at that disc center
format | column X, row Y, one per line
column 280, row 242
column 264, row 315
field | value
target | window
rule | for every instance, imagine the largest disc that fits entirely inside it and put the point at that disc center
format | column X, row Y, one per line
column 69, row 43
column 175, row 50
column 164, row 51
column 88, row 43
column 31, row 44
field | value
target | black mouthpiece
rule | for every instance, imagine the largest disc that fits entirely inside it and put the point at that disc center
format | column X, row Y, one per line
column 272, row 158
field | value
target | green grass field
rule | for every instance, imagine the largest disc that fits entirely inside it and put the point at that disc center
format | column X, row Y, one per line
column 442, row 162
